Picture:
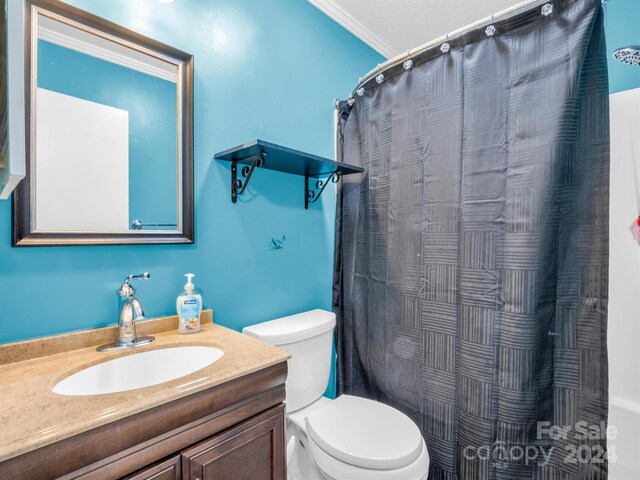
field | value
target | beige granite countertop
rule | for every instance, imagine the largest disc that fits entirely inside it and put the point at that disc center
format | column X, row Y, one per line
column 32, row 416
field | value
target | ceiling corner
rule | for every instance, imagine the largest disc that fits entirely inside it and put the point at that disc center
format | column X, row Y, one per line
column 337, row 13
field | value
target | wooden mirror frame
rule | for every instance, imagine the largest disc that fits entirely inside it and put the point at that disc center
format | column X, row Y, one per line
column 22, row 232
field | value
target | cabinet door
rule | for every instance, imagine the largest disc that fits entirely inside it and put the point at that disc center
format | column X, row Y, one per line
column 166, row 470
column 253, row 449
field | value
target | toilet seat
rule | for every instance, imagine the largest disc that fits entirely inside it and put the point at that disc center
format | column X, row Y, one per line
column 333, row 468
column 365, row 433
column 356, row 438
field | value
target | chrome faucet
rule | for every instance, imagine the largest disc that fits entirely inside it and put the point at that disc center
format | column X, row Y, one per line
column 130, row 311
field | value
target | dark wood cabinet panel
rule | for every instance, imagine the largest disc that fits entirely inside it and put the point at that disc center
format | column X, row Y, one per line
column 251, row 450
column 170, row 469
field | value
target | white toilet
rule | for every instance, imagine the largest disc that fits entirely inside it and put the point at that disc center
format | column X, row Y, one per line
column 349, row 438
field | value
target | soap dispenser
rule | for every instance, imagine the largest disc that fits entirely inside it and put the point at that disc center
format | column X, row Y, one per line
column 189, row 306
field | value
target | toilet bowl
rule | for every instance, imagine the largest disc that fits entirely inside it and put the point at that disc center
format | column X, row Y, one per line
column 349, row 438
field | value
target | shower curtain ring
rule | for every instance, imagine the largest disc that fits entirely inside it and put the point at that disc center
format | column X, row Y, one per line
column 408, row 63
column 446, row 46
column 491, row 28
column 380, row 76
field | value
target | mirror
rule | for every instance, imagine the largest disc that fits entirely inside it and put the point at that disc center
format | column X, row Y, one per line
column 109, row 123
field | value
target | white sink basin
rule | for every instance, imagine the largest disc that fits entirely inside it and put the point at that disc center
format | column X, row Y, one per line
column 139, row 370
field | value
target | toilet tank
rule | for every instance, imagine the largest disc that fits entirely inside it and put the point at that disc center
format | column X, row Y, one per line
column 308, row 337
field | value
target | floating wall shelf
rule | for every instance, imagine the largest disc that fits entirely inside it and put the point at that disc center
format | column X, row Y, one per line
column 261, row 154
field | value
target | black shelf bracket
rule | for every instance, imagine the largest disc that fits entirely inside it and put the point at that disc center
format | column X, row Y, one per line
column 239, row 185
column 317, row 171
column 311, row 195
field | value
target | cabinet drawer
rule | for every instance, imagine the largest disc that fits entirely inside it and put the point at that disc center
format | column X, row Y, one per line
column 252, row 450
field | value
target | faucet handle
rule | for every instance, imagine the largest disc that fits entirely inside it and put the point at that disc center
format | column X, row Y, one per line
column 126, row 290
column 138, row 276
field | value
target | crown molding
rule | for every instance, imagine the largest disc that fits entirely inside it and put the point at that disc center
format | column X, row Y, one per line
column 108, row 54
column 337, row 13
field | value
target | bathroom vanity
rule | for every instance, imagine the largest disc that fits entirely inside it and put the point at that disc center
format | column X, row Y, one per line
column 225, row 421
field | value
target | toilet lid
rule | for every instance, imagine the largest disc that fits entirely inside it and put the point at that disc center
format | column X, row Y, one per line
column 365, row 433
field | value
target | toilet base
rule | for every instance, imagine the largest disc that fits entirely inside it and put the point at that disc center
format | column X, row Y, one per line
column 299, row 465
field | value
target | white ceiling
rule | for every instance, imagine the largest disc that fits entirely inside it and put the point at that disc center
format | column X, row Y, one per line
column 395, row 26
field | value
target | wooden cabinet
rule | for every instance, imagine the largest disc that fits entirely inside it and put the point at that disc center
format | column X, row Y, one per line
column 233, row 431
column 252, row 450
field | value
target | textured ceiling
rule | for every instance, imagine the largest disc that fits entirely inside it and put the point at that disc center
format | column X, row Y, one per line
column 395, row 26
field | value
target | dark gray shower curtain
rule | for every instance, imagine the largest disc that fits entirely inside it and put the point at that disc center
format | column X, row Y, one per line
column 472, row 254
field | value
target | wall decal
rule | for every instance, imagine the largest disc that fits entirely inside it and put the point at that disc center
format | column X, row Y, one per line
column 276, row 244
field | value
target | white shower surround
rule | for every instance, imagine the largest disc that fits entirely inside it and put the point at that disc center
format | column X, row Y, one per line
column 84, row 144
column 624, row 288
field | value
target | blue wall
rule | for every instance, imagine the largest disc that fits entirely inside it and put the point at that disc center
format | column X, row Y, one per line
column 151, row 103
column 263, row 69
column 622, row 23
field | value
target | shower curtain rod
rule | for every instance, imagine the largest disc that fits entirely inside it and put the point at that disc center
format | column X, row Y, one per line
column 398, row 59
